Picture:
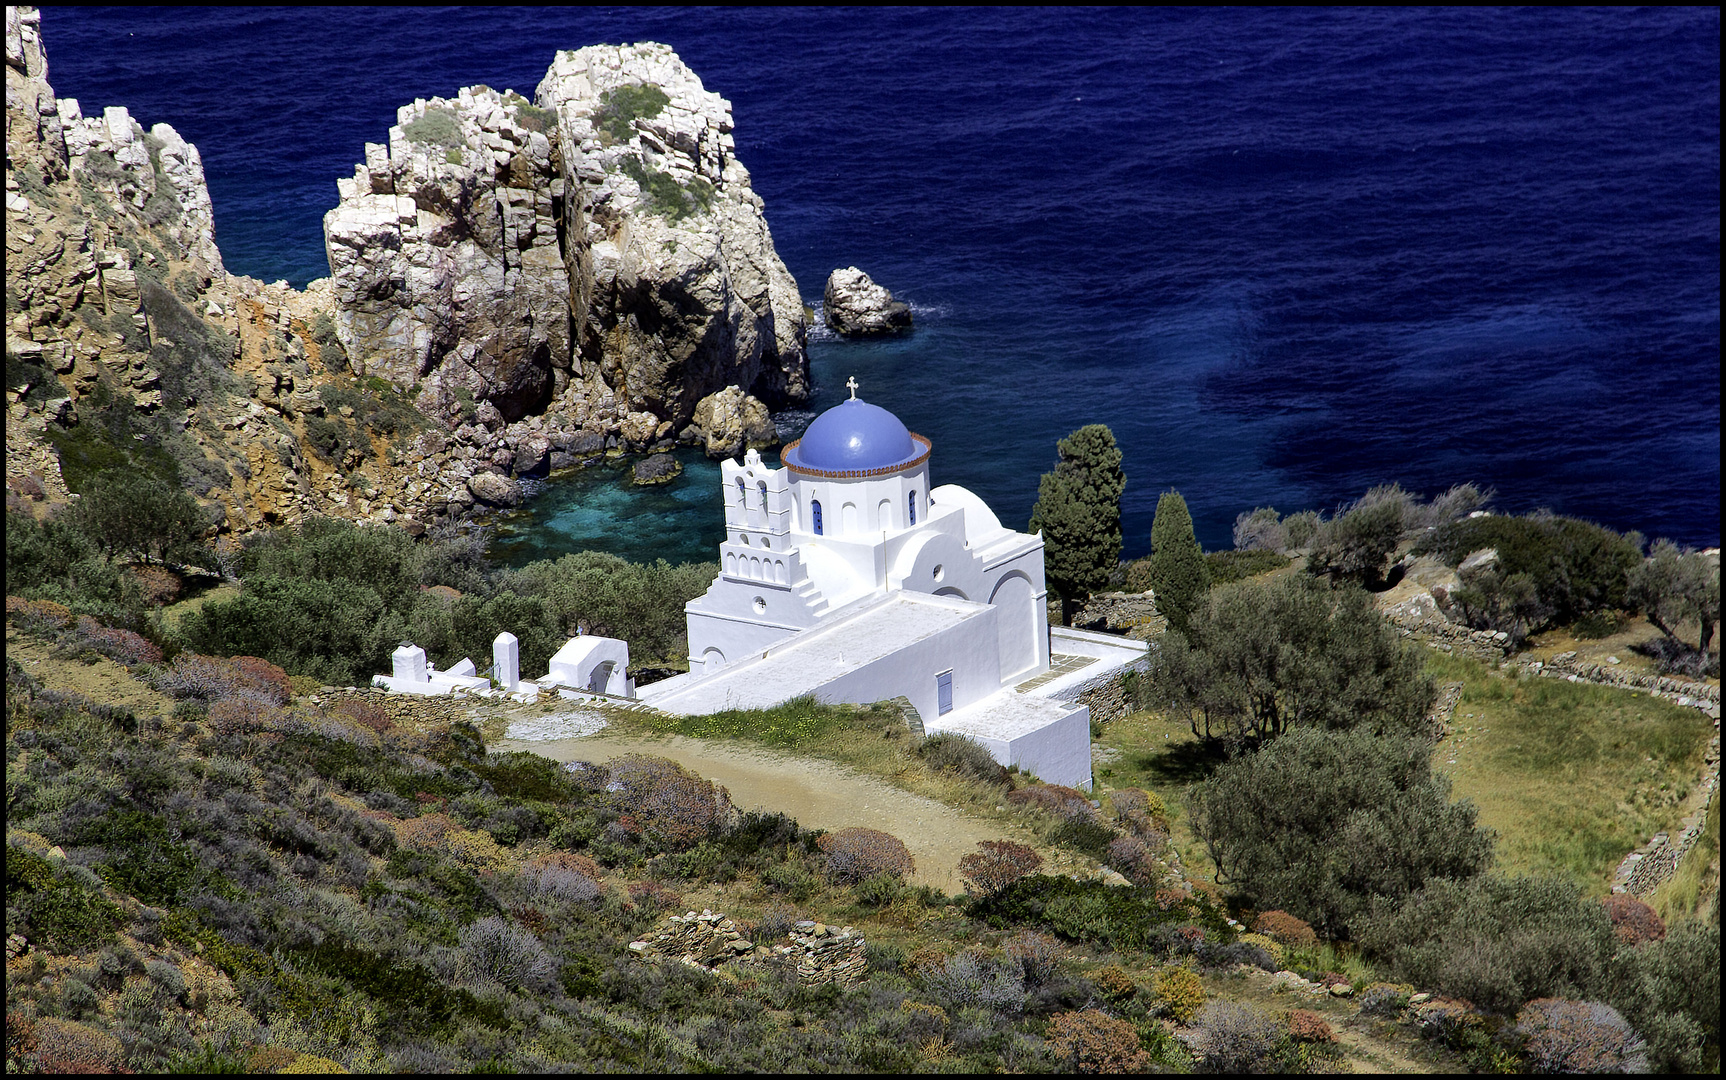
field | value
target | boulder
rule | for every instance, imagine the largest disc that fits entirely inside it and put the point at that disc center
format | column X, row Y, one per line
column 532, row 455
column 857, row 307
column 494, row 489
column 730, row 421
column 657, row 469
column 1484, row 559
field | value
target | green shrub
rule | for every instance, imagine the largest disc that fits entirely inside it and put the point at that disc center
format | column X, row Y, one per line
column 947, row 751
column 1117, row 918
column 1354, row 545
column 621, row 106
column 1669, row 990
column 1494, row 941
column 1227, row 566
column 1319, row 823
column 1572, row 567
column 534, row 118
column 138, row 515
column 664, row 195
column 438, row 127
column 337, row 632
column 54, row 907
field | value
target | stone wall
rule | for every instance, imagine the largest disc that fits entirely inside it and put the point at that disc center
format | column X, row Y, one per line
column 821, row 954
column 1683, row 691
column 1132, row 614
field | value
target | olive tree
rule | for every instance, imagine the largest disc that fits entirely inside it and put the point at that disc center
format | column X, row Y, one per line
column 1259, row 660
column 1319, row 823
column 1676, row 586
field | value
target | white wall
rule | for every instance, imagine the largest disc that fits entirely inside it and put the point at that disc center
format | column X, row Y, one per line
column 968, row 648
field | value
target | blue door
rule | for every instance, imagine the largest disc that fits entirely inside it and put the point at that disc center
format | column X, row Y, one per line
column 944, row 693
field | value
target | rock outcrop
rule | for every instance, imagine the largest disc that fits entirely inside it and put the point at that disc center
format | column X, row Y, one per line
column 596, row 257
column 516, row 287
column 857, row 307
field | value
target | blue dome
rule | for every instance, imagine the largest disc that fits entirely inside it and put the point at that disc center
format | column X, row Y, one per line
column 853, row 436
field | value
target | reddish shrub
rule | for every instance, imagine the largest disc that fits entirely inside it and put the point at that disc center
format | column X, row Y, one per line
column 239, row 715
column 1633, row 921
column 121, row 645
column 1579, row 1037
column 364, row 713
column 1284, row 928
column 1114, row 982
column 1036, row 955
column 264, row 675
column 855, row 855
column 654, row 897
column 64, row 1046
column 211, row 678
column 997, row 865
column 1064, row 802
column 1094, row 1042
column 673, row 805
column 159, row 585
column 37, row 616
column 1332, row 978
column 569, row 860
column 1172, row 896
column 1308, row 1026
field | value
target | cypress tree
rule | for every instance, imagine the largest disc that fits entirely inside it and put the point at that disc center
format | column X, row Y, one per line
column 1179, row 577
column 1078, row 511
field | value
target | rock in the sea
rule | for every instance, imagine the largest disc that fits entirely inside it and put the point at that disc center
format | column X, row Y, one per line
column 858, row 307
column 597, row 252
column 731, row 421
column 657, row 469
column 494, row 489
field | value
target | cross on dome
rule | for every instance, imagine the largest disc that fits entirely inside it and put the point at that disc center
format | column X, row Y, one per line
column 852, row 383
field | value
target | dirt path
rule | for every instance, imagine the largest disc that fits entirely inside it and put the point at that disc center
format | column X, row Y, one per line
column 818, row 794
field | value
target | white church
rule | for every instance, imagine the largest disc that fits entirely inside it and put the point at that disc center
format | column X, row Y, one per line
column 845, row 574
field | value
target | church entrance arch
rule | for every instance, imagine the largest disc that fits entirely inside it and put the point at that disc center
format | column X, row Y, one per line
column 601, row 675
column 712, row 660
column 1015, row 602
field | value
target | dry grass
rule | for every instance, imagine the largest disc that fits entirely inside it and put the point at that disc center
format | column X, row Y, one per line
column 1686, row 894
column 1571, row 776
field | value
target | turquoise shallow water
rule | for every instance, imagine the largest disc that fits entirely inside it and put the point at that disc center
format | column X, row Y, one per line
column 599, row 508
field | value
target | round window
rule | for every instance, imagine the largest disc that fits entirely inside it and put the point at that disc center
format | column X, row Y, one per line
column 760, row 605
column 940, row 572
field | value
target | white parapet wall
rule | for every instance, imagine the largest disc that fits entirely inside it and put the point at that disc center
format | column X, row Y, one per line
column 1048, row 739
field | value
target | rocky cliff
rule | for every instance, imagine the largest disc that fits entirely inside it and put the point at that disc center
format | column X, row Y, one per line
column 514, row 285
column 595, row 257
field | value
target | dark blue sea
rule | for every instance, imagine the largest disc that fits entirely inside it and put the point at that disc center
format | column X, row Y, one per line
column 1284, row 254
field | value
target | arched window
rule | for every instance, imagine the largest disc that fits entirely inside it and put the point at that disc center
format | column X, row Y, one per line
column 742, row 495
column 815, row 513
column 913, row 501
column 761, row 485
